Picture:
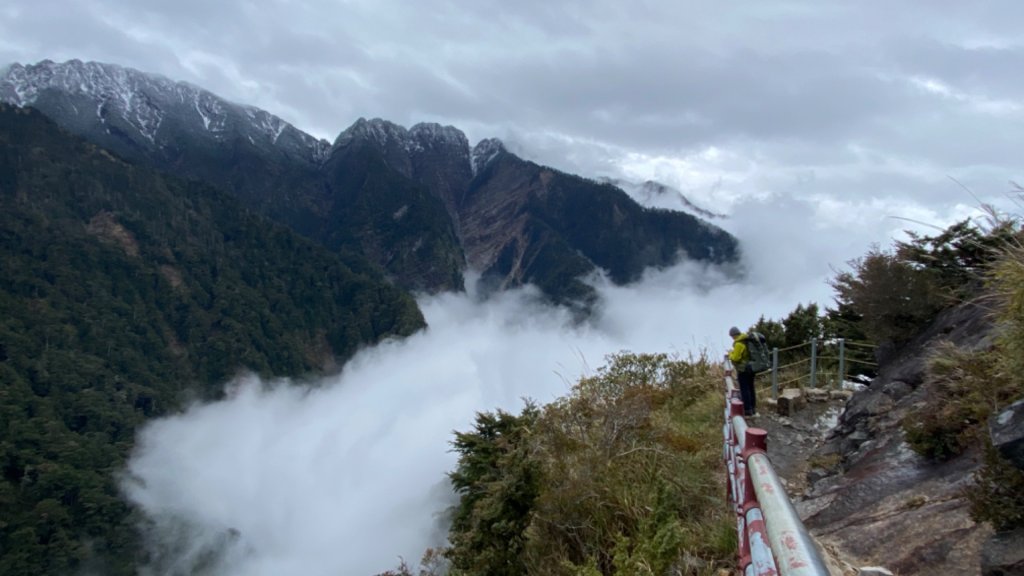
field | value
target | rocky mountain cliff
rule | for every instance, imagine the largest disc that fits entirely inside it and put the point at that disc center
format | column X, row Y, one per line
column 872, row 500
column 419, row 203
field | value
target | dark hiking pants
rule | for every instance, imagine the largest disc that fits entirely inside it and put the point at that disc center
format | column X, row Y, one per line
column 747, row 392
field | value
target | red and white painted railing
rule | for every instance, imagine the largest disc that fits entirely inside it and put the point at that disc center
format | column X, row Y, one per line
column 772, row 539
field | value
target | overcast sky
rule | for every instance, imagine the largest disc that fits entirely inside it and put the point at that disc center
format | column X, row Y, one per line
column 819, row 127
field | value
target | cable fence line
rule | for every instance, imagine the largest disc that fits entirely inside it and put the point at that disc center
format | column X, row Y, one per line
column 861, row 344
column 791, row 364
column 793, row 347
column 824, row 365
column 797, row 379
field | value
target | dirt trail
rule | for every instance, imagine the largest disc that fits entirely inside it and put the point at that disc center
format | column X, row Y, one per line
column 792, row 440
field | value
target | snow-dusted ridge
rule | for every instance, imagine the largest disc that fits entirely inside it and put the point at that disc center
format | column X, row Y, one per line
column 653, row 194
column 388, row 135
column 485, row 151
column 146, row 102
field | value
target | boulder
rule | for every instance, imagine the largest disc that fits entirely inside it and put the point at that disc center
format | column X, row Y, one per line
column 840, row 394
column 816, row 394
column 790, row 400
column 1007, row 430
column 1003, row 554
column 897, row 389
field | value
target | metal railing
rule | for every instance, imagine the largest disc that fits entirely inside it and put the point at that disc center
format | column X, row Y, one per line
column 772, row 538
column 815, row 359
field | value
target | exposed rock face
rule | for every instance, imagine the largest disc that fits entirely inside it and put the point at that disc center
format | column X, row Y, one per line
column 1003, row 555
column 889, row 506
column 522, row 222
column 1007, row 430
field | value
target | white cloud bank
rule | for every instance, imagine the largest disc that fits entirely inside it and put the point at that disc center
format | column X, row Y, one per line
column 345, row 477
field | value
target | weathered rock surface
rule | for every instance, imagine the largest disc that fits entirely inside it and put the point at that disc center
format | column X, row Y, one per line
column 790, row 401
column 816, row 394
column 1007, row 430
column 1003, row 555
column 883, row 504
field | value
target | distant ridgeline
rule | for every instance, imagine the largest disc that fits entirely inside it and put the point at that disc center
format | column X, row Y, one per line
column 421, row 204
column 122, row 293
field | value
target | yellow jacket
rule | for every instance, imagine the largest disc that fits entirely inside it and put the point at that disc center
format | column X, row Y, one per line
column 740, row 354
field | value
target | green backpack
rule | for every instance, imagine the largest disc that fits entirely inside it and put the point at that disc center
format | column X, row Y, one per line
column 760, row 356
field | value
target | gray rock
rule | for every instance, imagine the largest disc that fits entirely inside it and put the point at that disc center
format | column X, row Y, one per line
column 866, row 405
column 1007, row 430
column 897, row 389
column 790, row 401
column 840, row 394
column 879, row 404
column 816, row 394
column 859, row 436
column 1003, row 554
column 817, row 473
column 873, row 571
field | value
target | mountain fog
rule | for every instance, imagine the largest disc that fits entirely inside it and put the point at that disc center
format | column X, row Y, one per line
column 348, row 474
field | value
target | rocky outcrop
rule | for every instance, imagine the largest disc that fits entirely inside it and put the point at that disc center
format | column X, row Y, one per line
column 1003, row 555
column 882, row 503
column 1007, row 430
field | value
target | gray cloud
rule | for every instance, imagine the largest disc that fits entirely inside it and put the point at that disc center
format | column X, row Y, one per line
column 344, row 477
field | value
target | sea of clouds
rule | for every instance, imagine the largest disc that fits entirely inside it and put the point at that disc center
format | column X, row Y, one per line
column 347, row 475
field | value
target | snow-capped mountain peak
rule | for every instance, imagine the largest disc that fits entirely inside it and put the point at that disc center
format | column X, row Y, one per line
column 118, row 99
column 657, row 195
column 428, row 134
column 485, row 151
column 391, row 136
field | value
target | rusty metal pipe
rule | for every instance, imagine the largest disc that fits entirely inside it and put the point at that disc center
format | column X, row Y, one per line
column 763, row 506
column 795, row 551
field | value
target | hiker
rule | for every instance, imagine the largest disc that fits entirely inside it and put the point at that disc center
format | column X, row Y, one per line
column 740, row 358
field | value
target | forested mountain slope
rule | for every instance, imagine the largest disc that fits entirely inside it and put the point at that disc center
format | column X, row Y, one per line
column 123, row 294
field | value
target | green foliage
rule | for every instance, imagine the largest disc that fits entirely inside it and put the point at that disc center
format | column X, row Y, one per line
column 395, row 222
column 802, row 324
column 433, row 563
column 623, row 477
column 1006, row 280
column 498, row 481
column 997, row 495
column 123, row 294
column 969, row 385
column 893, row 298
column 964, row 393
column 959, row 256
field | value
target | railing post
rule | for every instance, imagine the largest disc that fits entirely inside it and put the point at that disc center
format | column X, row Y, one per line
column 775, row 373
column 842, row 362
column 814, row 362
